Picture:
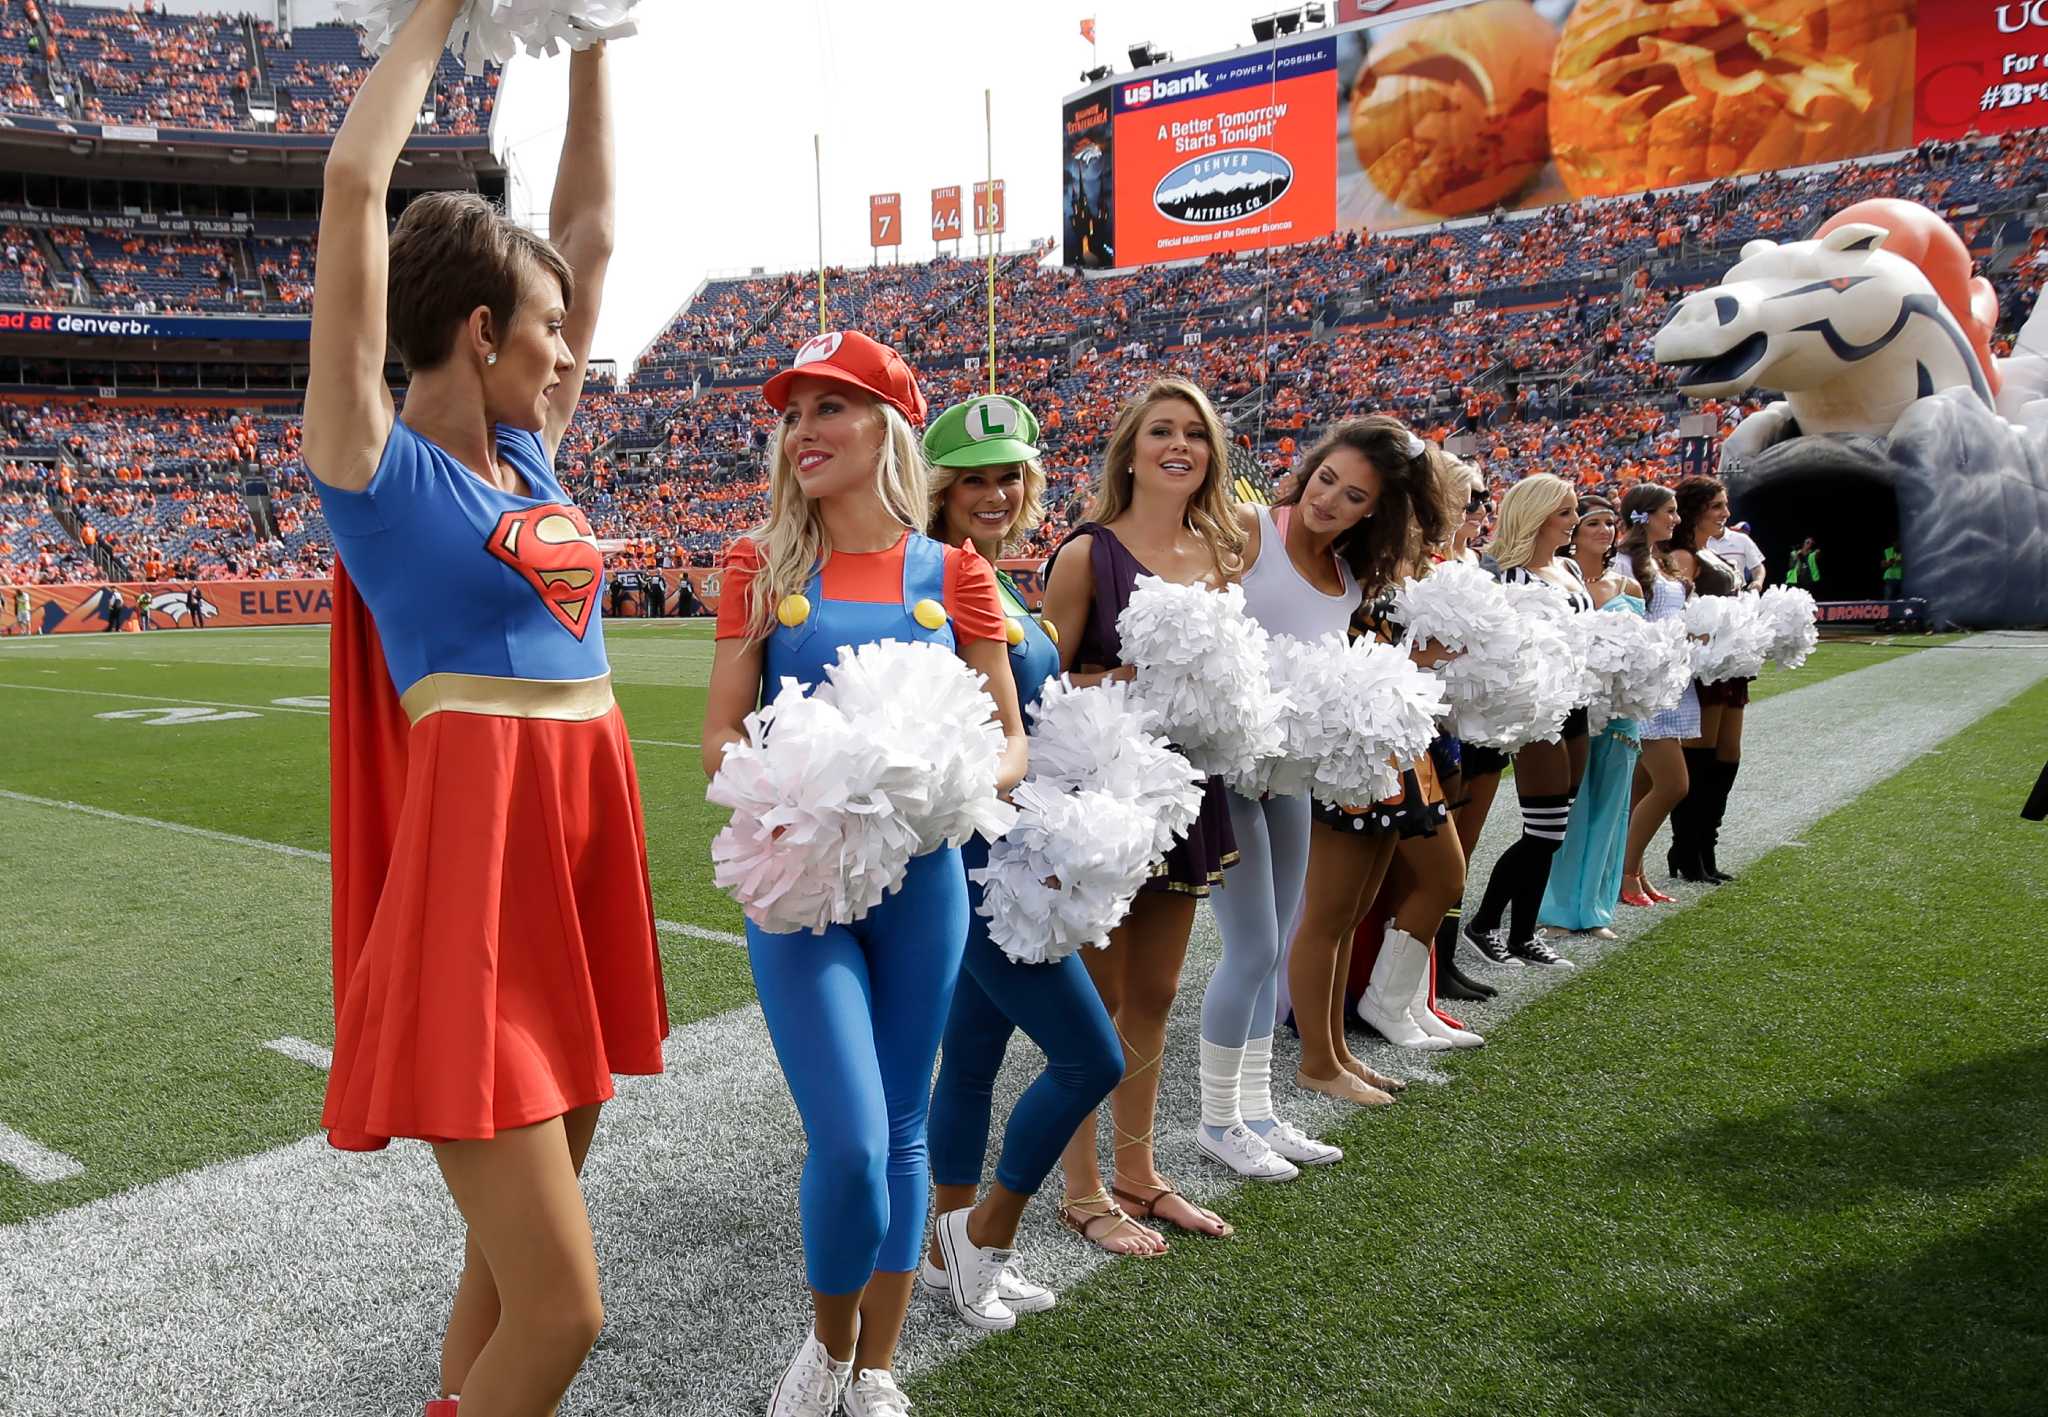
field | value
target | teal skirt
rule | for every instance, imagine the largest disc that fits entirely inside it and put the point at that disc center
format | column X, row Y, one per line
column 1585, row 875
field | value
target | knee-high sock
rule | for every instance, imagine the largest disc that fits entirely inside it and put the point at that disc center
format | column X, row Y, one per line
column 1544, row 820
column 1255, row 1081
column 1548, row 826
column 1221, row 1067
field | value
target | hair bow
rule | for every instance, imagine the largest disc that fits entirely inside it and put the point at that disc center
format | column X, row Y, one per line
column 1638, row 517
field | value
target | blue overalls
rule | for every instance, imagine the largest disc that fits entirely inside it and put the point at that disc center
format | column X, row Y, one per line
column 855, row 1014
column 1055, row 1004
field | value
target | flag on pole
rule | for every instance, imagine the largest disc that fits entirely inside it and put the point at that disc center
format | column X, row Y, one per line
column 1088, row 30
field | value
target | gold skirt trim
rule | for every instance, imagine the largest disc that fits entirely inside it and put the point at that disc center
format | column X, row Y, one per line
column 1215, row 877
column 573, row 700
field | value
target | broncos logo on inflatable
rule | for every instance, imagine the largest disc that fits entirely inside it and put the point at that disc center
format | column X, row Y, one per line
column 1877, row 336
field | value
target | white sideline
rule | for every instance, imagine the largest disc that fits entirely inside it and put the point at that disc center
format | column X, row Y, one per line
column 34, row 1160
column 313, row 1055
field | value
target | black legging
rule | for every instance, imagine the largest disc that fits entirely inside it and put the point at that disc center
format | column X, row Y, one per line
column 1515, row 889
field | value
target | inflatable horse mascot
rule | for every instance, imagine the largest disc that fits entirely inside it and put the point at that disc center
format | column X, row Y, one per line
column 1878, row 338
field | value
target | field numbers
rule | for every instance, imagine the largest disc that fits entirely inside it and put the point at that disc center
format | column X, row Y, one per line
column 304, row 701
column 172, row 717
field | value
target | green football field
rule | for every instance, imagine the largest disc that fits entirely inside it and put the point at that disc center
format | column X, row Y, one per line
column 1785, row 1152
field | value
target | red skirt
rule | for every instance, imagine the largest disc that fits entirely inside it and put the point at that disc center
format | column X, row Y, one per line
column 510, row 968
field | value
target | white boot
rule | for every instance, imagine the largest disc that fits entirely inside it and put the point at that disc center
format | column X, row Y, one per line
column 1428, row 1020
column 1402, row 968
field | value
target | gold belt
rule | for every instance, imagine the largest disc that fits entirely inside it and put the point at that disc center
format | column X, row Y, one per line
column 576, row 700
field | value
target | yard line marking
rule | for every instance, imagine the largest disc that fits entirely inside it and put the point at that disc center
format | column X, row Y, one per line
column 228, row 837
column 662, row 743
column 33, row 1159
column 698, row 932
column 313, row 1055
column 156, row 698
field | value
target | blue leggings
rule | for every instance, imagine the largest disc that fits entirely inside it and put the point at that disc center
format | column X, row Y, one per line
column 1255, row 907
column 1057, row 1007
column 855, row 1015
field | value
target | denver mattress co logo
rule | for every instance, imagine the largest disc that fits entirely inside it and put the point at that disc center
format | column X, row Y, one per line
column 1220, row 187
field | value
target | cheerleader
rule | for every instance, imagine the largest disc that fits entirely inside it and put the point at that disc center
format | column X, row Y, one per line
column 988, row 490
column 855, row 1014
column 1162, row 507
column 1713, row 758
column 1297, row 582
column 1536, row 521
column 1649, row 516
column 1585, row 875
column 1350, row 852
column 494, row 949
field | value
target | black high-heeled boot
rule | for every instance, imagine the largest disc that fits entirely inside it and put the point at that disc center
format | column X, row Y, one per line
column 1451, row 981
column 1716, row 807
column 1683, row 858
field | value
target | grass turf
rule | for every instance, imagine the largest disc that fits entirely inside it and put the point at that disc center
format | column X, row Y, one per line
column 1786, row 1154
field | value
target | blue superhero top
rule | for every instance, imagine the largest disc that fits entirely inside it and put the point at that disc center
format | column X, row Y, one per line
column 464, row 578
column 1034, row 658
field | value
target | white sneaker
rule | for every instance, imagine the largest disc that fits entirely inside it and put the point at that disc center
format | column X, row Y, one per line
column 1022, row 1294
column 875, row 1394
column 1298, row 1146
column 812, row 1384
column 1245, row 1152
column 974, row 1274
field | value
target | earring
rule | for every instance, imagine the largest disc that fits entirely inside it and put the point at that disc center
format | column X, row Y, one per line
column 491, row 358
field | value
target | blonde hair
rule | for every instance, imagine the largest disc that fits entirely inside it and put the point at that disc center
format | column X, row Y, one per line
column 1028, row 516
column 1453, row 480
column 1528, row 504
column 792, row 541
column 1209, row 512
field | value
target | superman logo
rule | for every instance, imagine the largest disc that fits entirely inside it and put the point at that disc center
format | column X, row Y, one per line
column 552, row 547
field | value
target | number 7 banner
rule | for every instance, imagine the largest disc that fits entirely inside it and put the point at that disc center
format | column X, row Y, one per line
column 885, row 219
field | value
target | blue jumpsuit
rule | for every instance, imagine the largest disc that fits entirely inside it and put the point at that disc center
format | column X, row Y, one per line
column 1055, row 1004
column 855, row 1014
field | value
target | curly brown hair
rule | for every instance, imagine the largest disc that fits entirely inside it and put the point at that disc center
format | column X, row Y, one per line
column 1408, row 514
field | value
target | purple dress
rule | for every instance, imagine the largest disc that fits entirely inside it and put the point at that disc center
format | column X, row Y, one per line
column 1197, row 860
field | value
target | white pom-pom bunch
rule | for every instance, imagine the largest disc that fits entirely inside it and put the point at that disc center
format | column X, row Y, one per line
column 1641, row 667
column 1201, row 663
column 1560, row 635
column 1513, row 679
column 833, row 792
column 492, row 31
column 1354, row 712
column 1730, row 638
column 1105, row 800
column 1793, row 621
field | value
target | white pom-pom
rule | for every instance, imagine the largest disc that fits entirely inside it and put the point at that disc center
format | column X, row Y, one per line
column 1514, row 678
column 1731, row 640
column 1066, row 873
column 1102, row 739
column 1356, row 712
column 1640, row 667
column 492, row 31
column 1792, row 619
column 833, row 793
column 1201, row 663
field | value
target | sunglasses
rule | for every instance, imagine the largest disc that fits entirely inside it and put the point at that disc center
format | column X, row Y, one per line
column 1477, row 504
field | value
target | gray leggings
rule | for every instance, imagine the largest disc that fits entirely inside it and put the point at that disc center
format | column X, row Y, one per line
column 1255, row 909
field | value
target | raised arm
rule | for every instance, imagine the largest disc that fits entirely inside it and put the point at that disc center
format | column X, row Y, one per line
column 580, row 219
column 348, row 405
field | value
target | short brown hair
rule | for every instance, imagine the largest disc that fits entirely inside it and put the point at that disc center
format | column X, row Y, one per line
column 451, row 252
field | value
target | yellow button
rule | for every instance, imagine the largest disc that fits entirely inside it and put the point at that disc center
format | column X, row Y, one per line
column 794, row 610
column 1052, row 631
column 929, row 613
column 1013, row 630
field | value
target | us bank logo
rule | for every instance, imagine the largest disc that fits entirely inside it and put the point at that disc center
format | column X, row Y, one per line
column 1220, row 187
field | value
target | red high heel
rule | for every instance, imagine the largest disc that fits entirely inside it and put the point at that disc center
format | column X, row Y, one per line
column 1635, row 891
column 441, row 1407
column 1657, row 895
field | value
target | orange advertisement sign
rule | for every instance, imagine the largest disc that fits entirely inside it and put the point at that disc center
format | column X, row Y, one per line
column 173, row 605
column 885, row 219
column 945, row 214
column 991, row 209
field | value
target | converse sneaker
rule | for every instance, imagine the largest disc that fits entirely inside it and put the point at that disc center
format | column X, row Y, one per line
column 1538, row 953
column 875, row 1394
column 1023, row 1295
column 1245, row 1152
column 1494, row 945
column 812, row 1384
column 973, row 1275
column 1298, row 1146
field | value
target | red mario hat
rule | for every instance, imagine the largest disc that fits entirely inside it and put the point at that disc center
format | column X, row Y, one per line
column 849, row 357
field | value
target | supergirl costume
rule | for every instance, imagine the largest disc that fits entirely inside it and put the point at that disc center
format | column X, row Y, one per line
column 855, row 1013
column 494, row 946
column 1585, row 875
column 1055, row 1004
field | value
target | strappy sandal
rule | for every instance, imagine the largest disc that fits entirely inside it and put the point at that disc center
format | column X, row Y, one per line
column 1077, row 1217
column 1148, row 1209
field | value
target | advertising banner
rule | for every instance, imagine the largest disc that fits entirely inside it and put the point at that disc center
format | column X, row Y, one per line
column 991, row 211
column 945, row 214
column 1228, row 156
column 85, row 324
column 1981, row 64
column 885, row 219
column 1087, row 186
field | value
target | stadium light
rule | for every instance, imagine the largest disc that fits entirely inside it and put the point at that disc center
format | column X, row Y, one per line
column 1144, row 56
column 1314, row 15
column 1263, row 29
column 1095, row 75
column 1288, row 21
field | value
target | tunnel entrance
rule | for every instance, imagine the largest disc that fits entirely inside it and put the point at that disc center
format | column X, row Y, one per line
column 1851, row 516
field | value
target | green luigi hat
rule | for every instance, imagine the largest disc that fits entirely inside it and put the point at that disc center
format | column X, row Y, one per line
column 983, row 432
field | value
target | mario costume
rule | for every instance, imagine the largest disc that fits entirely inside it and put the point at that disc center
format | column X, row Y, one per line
column 855, row 1013
column 494, row 945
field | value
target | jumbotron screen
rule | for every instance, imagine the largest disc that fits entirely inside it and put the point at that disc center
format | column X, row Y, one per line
column 1423, row 113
